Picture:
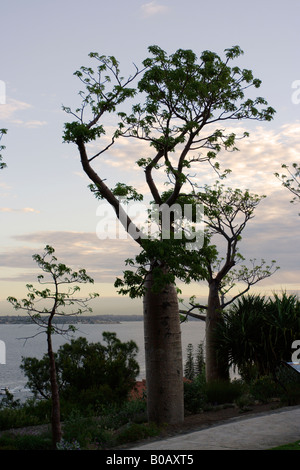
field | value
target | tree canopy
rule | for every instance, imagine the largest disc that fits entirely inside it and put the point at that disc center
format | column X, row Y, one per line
column 88, row 373
column 179, row 103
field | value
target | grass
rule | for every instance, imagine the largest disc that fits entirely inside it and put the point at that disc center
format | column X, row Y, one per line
column 292, row 446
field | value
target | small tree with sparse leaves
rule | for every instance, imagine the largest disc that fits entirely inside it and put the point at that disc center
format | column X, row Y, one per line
column 43, row 305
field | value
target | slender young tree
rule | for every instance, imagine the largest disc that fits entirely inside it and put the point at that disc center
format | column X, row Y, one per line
column 189, row 368
column 226, row 213
column 184, row 99
column 43, row 305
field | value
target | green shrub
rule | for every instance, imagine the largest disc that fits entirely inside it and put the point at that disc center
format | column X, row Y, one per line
column 80, row 428
column 195, row 395
column 87, row 373
column 102, row 432
column 25, row 442
column 264, row 389
column 17, row 418
column 135, row 431
column 220, row 392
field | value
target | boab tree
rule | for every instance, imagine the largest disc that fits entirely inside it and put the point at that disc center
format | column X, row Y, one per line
column 43, row 305
column 182, row 99
column 226, row 213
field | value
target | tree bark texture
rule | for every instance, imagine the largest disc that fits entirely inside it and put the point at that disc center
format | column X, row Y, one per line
column 163, row 355
column 216, row 367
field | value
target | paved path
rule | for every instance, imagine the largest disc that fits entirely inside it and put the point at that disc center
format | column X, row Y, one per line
column 258, row 432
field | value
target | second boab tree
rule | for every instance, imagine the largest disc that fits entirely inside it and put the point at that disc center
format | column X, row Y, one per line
column 227, row 211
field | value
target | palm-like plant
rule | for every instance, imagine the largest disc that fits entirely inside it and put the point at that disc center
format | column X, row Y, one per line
column 259, row 332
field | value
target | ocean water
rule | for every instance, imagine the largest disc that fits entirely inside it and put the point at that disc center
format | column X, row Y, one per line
column 30, row 341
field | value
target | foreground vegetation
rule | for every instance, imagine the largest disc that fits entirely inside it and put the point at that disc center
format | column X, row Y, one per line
column 99, row 427
column 99, row 410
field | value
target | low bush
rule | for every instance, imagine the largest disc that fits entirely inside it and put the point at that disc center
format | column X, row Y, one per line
column 26, row 442
column 264, row 389
column 219, row 392
column 136, row 431
column 199, row 395
column 114, row 425
column 195, row 397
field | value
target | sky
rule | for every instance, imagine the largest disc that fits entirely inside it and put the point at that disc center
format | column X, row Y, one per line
column 44, row 195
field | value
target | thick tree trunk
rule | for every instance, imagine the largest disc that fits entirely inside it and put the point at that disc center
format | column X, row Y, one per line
column 163, row 355
column 55, row 418
column 216, row 367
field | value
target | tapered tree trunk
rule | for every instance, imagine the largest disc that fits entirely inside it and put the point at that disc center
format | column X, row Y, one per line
column 216, row 367
column 163, row 355
column 55, row 417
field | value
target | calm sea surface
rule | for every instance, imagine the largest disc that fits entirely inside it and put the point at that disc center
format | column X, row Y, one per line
column 23, row 341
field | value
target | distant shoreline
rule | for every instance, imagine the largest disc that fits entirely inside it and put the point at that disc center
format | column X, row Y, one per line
column 92, row 319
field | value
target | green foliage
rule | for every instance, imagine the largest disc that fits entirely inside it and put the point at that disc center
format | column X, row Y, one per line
column 81, row 430
column 137, row 431
column 264, row 389
column 23, row 415
column 104, row 90
column 292, row 446
column 122, row 191
column 88, row 373
column 26, row 442
column 179, row 95
column 195, row 399
column 79, row 132
column 8, row 401
column 194, row 364
column 115, row 425
column 260, row 332
column 189, row 367
column 220, row 392
column 291, row 181
column 181, row 263
column 43, row 304
column 200, row 395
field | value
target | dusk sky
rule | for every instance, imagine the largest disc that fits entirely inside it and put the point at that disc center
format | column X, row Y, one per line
column 44, row 198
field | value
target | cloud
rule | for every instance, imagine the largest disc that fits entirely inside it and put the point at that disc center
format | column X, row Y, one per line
column 14, row 107
column 103, row 259
column 24, row 210
column 152, row 8
column 8, row 110
column 29, row 124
